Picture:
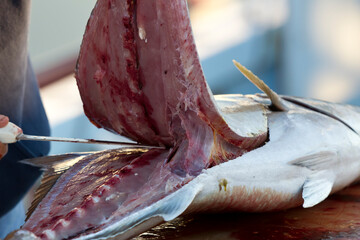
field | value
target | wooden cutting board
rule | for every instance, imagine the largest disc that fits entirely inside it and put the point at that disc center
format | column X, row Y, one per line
column 336, row 218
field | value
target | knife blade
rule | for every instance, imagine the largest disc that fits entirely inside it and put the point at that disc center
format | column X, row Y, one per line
column 12, row 133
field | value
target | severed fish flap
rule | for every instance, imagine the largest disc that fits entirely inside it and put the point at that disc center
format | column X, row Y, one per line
column 317, row 161
column 317, row 187
column 276, row 100
column 142, row 78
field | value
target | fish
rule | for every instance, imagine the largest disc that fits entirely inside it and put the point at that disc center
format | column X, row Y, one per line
column 139, row 75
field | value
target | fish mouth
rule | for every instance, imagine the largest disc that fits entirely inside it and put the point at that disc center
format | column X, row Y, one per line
column 139, row 75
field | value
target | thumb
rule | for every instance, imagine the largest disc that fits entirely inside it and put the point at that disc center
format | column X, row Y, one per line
column 3, row 149
column 4, row 120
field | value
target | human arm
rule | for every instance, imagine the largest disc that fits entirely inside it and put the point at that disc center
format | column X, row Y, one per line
column 20, row 101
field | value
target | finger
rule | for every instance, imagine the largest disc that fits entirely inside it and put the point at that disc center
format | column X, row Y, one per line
column 3, row 149
column 4, row 120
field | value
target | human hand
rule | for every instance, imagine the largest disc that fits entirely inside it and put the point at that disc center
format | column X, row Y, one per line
column 4, row 120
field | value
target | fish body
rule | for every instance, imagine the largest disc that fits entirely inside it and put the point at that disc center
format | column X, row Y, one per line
column 141, row 77
column 308, row 156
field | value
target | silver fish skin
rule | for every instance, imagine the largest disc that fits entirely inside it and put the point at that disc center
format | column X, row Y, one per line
column 308, row 156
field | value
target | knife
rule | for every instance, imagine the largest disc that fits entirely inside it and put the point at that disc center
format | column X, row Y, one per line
column 12, row 133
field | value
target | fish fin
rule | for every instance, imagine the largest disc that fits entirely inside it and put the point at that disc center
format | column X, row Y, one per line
column 320, row 160
column 47, row 182
column 58, row 163
column 319, row 183
column 317, row 187
column 276, row 100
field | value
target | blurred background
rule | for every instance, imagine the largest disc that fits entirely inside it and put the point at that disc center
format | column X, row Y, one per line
column 308, row 48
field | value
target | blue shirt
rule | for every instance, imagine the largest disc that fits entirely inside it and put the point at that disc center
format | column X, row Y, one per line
column 20, row 101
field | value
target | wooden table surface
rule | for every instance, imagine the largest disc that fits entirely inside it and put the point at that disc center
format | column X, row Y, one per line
column 336, row 218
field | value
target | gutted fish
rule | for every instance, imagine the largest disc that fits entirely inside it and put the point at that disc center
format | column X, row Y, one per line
column 139, row 76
